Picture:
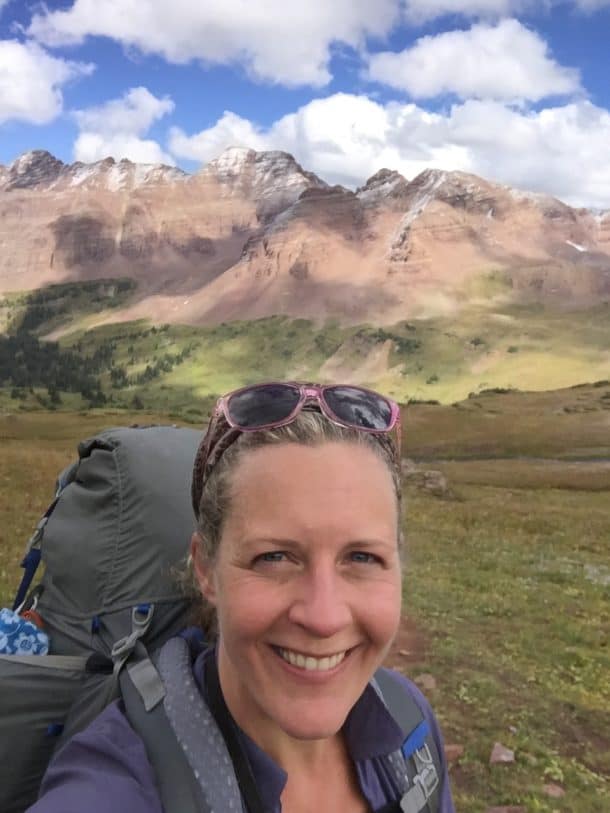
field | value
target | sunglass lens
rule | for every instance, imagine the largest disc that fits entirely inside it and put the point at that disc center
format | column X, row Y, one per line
column 359, row 407
column 262, row 406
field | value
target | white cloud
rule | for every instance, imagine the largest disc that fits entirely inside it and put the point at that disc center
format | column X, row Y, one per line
column 229, row 131
column 506, row 61
column 341, row 137
column 344, row 138
column 288, row 43
column 134, row 112
column 90, row 147
column 561, row 150
column 116, row 128
column 31, row 82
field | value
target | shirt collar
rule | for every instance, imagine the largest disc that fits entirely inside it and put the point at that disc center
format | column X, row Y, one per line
column 370, row 731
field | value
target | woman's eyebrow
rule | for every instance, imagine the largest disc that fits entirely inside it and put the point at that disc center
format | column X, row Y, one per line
column 371, row 542
column 263, row 539
column 293, row 544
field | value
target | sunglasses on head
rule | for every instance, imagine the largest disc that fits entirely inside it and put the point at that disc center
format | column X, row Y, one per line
column 267, row 406
column 274, row 404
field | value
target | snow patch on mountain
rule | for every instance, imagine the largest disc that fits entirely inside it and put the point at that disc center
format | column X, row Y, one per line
column 577, row 246
column 427, row 185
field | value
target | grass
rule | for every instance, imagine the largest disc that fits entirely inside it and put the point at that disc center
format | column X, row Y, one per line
column 567, row 424
column 508, row 586
column 511, row 590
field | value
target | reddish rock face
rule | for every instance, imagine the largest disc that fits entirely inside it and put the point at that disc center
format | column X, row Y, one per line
column 254, row 234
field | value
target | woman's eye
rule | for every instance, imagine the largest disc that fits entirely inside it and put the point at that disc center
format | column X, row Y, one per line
column 271, row 556
column 364, row 558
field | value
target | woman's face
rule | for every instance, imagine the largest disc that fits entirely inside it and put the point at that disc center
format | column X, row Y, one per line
column 307, row 586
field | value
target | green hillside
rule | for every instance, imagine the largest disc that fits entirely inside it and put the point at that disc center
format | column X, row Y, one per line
column 174, row 367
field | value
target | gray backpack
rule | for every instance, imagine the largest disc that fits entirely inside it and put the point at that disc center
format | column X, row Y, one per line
column 120, row 524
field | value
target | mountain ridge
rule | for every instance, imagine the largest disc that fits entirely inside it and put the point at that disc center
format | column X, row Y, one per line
column 252, row 234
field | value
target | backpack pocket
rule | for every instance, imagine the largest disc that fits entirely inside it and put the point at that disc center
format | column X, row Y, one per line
column 36, row 695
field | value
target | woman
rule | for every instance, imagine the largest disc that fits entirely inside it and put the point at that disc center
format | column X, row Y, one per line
column 296, row 491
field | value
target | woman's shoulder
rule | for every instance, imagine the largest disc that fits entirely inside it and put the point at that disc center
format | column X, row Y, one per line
column 102, row 769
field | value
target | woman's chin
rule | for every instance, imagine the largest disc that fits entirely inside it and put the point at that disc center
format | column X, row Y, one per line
column 312, row 721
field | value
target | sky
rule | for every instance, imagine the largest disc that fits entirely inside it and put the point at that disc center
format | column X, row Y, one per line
column 516, row 91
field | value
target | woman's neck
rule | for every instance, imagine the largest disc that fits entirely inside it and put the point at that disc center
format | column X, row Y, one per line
column 296, row 756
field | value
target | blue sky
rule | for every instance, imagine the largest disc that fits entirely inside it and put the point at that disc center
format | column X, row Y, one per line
column 517, row 91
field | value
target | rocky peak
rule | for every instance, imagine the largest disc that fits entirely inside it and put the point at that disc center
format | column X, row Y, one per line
column 124, row 174
column 34, row 168
column 40, row 169
column 460, row 190
column 262, row 172
column 552, row 208
column 387, row 183
column 273, row 178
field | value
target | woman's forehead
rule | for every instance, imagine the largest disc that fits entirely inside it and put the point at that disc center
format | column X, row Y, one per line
column 296, row 486
column 342, row 461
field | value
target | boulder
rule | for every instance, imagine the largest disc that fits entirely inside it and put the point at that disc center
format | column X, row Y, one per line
column 501, row 755
column 429, row 481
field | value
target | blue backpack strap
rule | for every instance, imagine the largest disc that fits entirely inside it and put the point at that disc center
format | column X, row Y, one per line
column 32, row 556
column 419, row 748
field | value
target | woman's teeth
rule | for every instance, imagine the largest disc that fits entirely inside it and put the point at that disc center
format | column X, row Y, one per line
column 309, row 663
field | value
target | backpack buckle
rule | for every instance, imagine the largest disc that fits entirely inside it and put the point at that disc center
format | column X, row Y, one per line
column 427, row 776
column 141, row 616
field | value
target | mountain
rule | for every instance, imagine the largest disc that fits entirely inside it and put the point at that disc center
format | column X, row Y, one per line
column 254, row 234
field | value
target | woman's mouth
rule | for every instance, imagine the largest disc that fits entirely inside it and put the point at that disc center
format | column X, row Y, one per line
column 308, row 662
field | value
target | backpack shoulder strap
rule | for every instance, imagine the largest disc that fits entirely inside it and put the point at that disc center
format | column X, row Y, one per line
column 419, row 748
column 194, row 773
column 176, row 783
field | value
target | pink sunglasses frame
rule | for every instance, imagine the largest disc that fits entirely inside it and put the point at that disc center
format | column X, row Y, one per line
column 306, row 393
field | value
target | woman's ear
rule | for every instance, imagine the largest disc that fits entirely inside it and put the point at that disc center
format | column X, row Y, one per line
column 204, row 572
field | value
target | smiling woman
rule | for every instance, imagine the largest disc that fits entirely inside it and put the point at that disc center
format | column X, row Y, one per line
column 296, row 560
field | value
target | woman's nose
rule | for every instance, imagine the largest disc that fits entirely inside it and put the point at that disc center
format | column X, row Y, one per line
column 320, row 604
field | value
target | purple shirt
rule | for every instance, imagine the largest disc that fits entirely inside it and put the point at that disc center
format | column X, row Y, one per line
column 104, row 769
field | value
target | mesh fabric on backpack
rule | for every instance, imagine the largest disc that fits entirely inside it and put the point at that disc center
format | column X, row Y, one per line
column 108, row 595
